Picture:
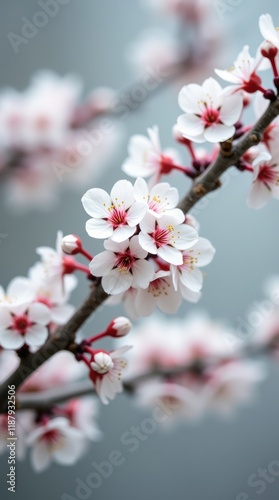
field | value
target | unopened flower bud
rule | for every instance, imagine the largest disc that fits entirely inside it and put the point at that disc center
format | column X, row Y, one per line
column 119, row 327
column 268, row 50
column 102, row 362
column 71, row 244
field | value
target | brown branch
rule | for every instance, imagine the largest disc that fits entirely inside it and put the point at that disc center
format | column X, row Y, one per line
column 49, row 398
column 229, row 155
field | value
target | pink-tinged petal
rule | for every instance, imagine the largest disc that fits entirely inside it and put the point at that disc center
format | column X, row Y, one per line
column 5, row 318
column 218, row 133
column 228, row 76
column 143, row 273
column 122, row 194
column 136, row 249
column 190, row 125
column 192, row 279
column 204, row 252
column 102, row 263
column 147, row 224
column 72, row 449
column 40, row 456
column 171, row 255
column 141, row 190
column 61, row 314
column 147, row 243
column 189, row 294
column 122, row 233
column 36, row 335
column 39, row 313
column 145, row 303
column 268, row 30
column 189, row 97
column 259, row 195
column 169, row 301
column 20, row 288
column 184, row 237
column 11, row 340
column 99, row 228
column 96, row 202
column 231, row 109
column 136, row 213
column 117, row 281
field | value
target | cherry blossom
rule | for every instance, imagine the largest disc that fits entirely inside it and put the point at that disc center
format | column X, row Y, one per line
column 160, row 293
column 55, row 440
column 188, row 274
column 24, row 324
column 106, row 373
column 243, row 74
column 122, row 265
column 146, row 156
column 19, row 292
column 166, row 238
column 210, row 114
column 160, row 200
column 115, row 215
column 82, row 414
column 265, row 180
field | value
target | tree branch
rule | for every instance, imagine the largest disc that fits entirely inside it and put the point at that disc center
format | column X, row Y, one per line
column 49, row 398
column 229, row 155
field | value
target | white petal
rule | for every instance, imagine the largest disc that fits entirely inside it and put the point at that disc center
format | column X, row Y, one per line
column 143, row 273
column 5, row 318
column 141, row 190
column 122, row 233
column 96, row 202
column 39, row 313
column 192, row 279
column 40, row 456
column 122, row 191
column 136, row 248
column 189, row 96
column 145, row 303
column 99, row 228
column 268, row 30
column 147, row 243
column 171, row 255
column 218, row 133
column 36, row 335
column 259, row 195
column 231, row 109
column 228, row 76
column 11, row 340
column 136, row 213
column 204, row 252
column 102, row 263
column 117, row 282
column 190, row 125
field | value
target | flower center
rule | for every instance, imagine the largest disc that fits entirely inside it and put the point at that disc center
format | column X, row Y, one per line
column 268, row 175
column 117, row 216
column 125, row 261
column 210, row 116
column 161, row 236
column 21, row 323
column 54, row 439
column 158, row 287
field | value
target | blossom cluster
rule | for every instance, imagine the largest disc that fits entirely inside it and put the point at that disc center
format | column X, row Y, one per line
column 32, row 307
column 42, row 143
column 213, row 375
column 152, row 253
column 60, row 433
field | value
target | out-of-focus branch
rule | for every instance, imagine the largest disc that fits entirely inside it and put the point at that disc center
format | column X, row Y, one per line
column 49, row 398
column 208, row 181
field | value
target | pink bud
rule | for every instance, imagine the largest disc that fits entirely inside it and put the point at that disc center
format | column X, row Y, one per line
column 119, row 327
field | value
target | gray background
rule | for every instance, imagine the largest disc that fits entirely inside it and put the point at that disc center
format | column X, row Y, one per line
column 208, row 460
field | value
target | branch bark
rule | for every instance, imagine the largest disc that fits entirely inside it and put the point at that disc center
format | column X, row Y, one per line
column 229, row 155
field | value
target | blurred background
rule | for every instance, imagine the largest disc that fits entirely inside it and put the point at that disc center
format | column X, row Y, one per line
column 214, row 458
